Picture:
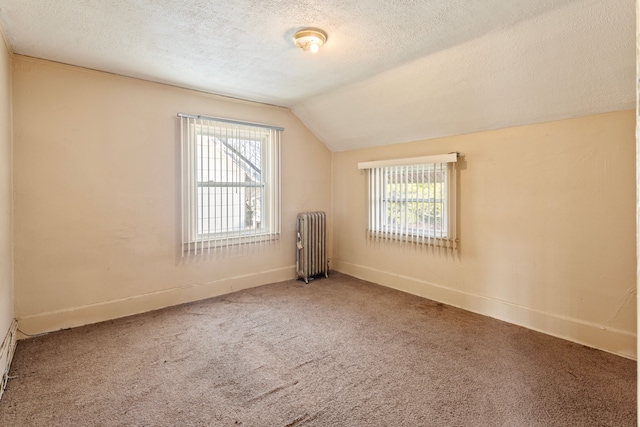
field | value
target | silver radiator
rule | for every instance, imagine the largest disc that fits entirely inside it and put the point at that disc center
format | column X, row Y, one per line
column 311, row 254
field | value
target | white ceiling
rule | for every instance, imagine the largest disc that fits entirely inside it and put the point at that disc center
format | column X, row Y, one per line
column 390, row 72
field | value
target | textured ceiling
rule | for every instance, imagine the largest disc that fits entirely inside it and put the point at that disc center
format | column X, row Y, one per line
column 390, row 72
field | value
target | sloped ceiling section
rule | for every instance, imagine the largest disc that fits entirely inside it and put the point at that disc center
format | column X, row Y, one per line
column 390, row 72
column 574, row 61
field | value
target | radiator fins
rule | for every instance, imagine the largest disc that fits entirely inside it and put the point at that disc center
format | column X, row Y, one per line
column 311, row 254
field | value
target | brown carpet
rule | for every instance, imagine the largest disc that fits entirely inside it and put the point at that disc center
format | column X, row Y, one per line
column 336, row 352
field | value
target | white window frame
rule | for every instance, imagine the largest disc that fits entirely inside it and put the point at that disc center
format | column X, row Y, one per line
column 200, row 136
column 411, row 178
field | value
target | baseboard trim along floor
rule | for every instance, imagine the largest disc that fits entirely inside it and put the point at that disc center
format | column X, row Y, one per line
column 601, row 337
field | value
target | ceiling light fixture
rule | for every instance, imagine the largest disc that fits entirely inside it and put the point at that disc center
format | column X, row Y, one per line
column 310, row 39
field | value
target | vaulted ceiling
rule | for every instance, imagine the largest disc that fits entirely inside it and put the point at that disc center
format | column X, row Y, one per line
column 390, row 72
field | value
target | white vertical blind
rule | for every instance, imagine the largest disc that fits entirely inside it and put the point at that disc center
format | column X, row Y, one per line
column 230, row 183
column 413, row 202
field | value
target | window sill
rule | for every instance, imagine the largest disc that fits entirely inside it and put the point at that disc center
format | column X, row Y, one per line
column 207, row 244
column 443, row 242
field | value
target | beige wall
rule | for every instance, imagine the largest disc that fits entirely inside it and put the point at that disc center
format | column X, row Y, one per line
column 638, row 177
column 6, row 206
column 97, row 202
column 7, row 325
column 546, row 227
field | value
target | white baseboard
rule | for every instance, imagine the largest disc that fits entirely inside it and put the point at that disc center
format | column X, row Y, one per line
column 7, row 348
column 611, row 340
column 78, row 316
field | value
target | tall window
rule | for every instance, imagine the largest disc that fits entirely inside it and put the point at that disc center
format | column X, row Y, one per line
column 230, row 183
column 413, row 200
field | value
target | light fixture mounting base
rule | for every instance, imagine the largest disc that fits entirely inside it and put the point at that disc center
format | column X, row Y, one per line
column 307, row 37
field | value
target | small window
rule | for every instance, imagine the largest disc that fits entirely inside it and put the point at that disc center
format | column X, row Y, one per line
column 231, row 183
column 412, row 200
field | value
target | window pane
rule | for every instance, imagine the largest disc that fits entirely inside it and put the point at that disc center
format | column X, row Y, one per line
column 413, row 200
column 230, row 183
column 229, row 172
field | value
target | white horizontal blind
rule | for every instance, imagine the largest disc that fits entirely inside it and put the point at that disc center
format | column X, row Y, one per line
column 230, row 183
column 412, row 203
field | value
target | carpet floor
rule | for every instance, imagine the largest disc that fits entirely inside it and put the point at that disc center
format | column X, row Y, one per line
column 335, row 352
